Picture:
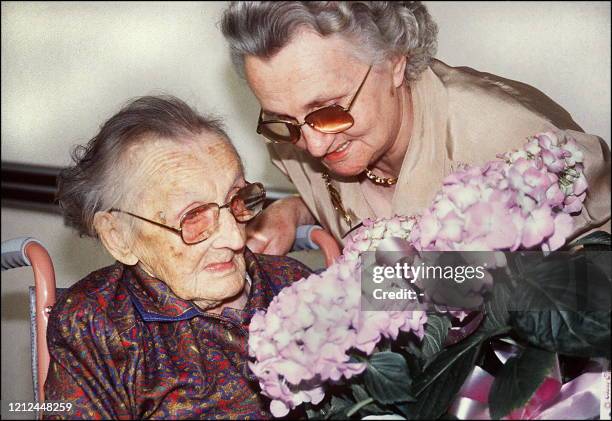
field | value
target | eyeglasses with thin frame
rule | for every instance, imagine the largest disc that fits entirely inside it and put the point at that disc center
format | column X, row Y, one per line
column 199, row 223
column 329, row 119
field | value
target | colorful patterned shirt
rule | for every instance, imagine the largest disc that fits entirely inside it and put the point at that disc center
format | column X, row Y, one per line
column 123, row 346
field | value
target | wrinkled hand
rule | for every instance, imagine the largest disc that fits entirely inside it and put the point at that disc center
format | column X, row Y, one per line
column 273, row 231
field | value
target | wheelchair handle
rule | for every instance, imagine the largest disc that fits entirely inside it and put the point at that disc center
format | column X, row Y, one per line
column 14, row 252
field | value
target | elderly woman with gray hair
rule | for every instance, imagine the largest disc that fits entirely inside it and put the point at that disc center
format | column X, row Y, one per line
column 367, row 124
column 162, row 333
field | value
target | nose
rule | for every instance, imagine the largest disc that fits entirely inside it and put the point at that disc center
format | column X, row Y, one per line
column 230, row 234
column 317, row 143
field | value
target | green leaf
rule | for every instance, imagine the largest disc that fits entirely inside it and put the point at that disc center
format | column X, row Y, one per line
column 580, row 334
column 436, row 388
column 436, row 331
column 411, row 351
column 555, row 293
column 601, row 261
column 411, row 348
column 387, row 378
column 358, row 406
column 446, row 361
column 314, row 414
column 436, row 398
column 518, row 380
column 339, row 408
column 360, row 395
column 496, row 309
column 594, row 238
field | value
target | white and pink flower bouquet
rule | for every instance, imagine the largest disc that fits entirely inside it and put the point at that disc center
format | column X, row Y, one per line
column 316, row 345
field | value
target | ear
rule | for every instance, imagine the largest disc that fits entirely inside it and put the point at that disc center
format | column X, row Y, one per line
column 112, row 234
column 398, row 66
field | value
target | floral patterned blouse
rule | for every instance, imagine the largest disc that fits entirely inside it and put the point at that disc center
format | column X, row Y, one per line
column 123, row 346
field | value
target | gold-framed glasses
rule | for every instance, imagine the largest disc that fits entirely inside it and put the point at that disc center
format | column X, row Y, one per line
column 199, row 223
column 329, row 119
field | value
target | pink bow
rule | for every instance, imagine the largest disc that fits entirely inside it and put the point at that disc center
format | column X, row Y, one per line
column 577, row 399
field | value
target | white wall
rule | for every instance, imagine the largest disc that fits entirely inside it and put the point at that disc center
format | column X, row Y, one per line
column 561, row 48
column 67, row 67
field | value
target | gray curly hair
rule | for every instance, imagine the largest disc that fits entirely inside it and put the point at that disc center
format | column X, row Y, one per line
column 382, row 29
column 97, row 180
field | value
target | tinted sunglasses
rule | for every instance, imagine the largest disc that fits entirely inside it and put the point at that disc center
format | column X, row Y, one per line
column 200, row 223
column 330, row 119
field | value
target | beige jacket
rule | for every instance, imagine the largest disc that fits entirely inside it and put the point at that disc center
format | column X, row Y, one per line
column 460, row 116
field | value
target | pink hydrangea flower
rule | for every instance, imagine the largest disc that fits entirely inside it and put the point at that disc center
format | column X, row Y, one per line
column 508, row 204
column 305, row 337
column 523, row 200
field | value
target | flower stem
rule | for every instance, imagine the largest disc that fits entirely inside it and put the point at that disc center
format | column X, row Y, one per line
column 359, row 405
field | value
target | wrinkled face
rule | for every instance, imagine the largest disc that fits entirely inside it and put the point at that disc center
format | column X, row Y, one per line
column 173, row 179
column 311, row 72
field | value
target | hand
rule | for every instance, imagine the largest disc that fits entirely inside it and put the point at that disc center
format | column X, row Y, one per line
column 273, row 231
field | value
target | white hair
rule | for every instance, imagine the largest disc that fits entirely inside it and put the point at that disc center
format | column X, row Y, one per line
column 379, row 29
column 99, row 179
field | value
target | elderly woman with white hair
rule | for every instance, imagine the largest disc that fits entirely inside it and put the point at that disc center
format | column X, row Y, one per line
column 367, row 124
column 163, row 332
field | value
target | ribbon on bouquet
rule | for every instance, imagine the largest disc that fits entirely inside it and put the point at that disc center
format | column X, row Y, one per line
column 577, row 399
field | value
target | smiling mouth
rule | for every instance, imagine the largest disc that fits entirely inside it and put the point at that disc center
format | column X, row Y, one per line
column 339, row 153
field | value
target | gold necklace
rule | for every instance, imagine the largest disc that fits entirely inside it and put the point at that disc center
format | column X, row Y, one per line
column 380, row 180
column 336, row 199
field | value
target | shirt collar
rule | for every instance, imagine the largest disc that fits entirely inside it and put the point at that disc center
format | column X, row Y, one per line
column 155, row 301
